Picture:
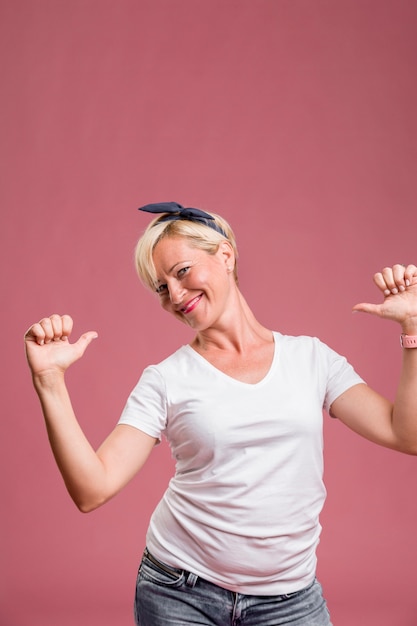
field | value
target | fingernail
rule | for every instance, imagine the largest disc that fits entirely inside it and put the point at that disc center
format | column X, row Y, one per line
column 394, row 291
column 402, row 288
column 387, row 292
column 407, row 283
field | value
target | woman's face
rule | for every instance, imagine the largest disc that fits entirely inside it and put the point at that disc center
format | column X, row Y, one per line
column 193, row 285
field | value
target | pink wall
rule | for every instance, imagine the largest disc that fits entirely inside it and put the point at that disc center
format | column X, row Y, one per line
column 296, row 119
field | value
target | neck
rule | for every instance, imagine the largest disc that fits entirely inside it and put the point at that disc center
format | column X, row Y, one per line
column 238, row 332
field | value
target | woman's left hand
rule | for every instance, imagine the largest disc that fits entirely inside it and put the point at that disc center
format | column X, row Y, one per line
column 399, row 287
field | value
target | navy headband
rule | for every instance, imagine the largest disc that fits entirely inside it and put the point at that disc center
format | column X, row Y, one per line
column 177, row 212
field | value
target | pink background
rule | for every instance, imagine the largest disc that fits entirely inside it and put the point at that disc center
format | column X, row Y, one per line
column 295, row 119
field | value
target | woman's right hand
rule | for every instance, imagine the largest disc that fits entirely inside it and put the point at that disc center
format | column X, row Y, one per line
column 91, row 477
column 48, row 349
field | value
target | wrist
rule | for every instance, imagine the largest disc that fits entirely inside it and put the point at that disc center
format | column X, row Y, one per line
column 49, row 380
column 409, row 326
column 408, row 341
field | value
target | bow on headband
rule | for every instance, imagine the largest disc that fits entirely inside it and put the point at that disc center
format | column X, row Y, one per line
column 177, row 212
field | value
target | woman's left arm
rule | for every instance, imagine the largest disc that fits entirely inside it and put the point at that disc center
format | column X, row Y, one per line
column 364, row 410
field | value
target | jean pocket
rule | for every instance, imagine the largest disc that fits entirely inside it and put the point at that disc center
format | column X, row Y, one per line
column 161, row 574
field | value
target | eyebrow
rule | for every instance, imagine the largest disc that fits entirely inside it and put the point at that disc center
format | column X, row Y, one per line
column 174, row 266
column 158, row 280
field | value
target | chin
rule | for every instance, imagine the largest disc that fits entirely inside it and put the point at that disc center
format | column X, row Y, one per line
column 183, row 319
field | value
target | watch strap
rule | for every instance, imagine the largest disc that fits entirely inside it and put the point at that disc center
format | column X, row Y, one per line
column 408, row 341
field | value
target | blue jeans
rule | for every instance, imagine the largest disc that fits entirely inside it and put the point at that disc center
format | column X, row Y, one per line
column 173, row 597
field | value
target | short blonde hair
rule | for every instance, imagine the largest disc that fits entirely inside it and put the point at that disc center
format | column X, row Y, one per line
column 199, row 236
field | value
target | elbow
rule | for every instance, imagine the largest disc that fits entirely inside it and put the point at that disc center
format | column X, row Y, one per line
column 88, row 505
column 88, row 496
column 409, row 449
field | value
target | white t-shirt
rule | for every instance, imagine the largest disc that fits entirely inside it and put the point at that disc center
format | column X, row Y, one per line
column 242, row 510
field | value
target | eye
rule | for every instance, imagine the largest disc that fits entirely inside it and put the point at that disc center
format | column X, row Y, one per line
column 183, row 271
column 161, row 289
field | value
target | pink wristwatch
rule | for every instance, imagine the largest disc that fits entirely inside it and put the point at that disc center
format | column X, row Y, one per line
column 408, row 341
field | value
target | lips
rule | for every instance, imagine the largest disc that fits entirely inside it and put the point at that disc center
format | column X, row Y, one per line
column 191, row 304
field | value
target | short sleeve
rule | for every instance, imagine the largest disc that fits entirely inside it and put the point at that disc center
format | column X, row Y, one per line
column 341, row 376
column 145, row 408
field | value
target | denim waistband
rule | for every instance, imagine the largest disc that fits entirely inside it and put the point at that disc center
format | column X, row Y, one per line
column 192, row 578
column 170, row 570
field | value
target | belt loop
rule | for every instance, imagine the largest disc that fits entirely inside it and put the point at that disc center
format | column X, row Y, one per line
column 191, row 579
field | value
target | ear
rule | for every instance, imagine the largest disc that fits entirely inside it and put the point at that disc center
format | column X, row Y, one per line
column 227, row 255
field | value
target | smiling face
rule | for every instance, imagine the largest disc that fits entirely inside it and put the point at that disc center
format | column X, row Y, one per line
column 193, row 285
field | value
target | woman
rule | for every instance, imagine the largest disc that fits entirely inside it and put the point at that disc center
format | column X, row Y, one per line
column 233, row 539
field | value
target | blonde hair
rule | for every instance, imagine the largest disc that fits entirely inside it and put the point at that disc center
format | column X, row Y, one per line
column 199, row 236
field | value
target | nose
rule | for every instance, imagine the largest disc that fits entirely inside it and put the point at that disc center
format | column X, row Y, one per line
column 176, row 293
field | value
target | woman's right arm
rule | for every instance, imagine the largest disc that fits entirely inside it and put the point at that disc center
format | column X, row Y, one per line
column 91, row 477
